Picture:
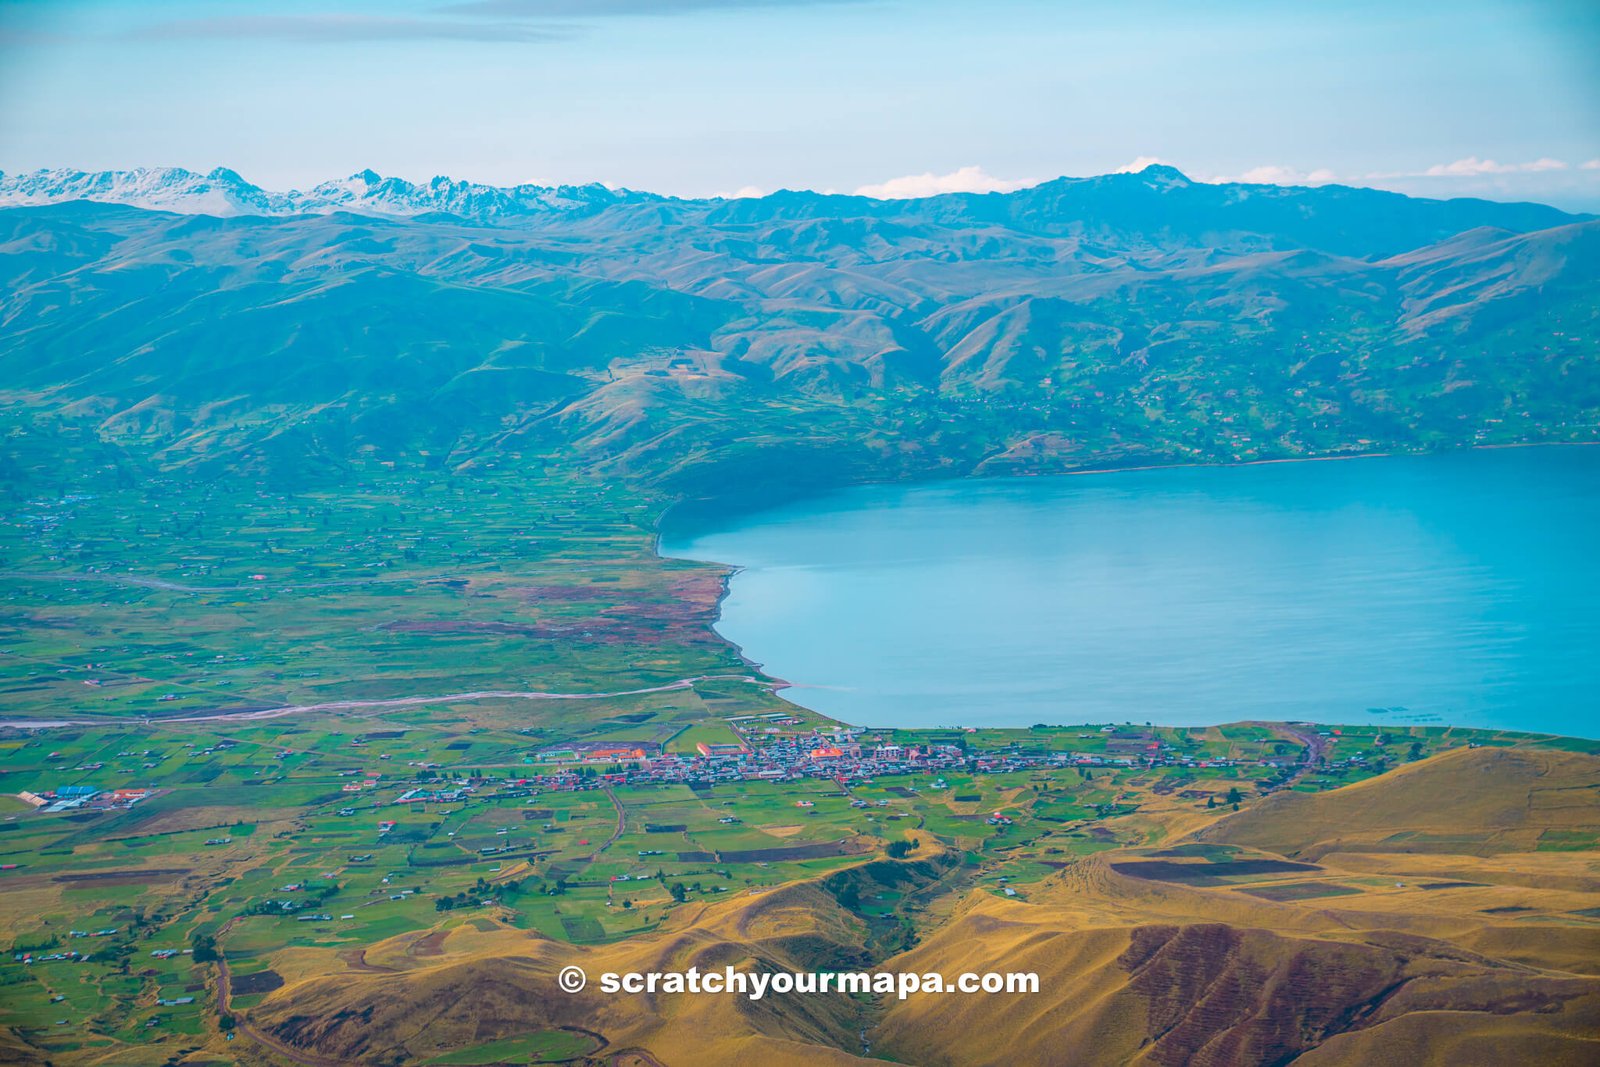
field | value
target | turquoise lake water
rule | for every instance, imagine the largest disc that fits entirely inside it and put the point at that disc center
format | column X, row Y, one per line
column 1461, row 588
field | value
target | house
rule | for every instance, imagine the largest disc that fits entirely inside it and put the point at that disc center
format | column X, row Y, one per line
column 612, row 753
column 602, row 751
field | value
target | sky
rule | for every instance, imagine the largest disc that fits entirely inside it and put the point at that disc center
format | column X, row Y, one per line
column 1496, row 98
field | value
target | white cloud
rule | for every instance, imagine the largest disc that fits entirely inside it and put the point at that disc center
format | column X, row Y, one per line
column 1462, row 168
column 1140, row 163
column 1473, row 166
column 1276, row 174
column 744, row 192
column 965, row 180
column 1593, row 164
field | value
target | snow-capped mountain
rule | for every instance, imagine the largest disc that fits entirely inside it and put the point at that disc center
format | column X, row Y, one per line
column 221, row 192
column 224, row 192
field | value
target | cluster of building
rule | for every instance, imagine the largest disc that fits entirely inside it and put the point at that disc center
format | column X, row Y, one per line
column 53, row 957
column 70, row 797
column 603, row 752
column 844, row 755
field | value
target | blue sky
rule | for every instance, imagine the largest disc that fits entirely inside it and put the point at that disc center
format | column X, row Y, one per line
column 700, row 97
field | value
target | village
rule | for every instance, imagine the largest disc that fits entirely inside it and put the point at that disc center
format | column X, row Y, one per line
column 844, row 755
column 770, row 749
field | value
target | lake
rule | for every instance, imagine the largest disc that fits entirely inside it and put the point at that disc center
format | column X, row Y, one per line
column 1460, row 588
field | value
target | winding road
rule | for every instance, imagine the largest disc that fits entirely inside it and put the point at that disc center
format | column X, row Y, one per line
column 407, row 702
column 458, row 698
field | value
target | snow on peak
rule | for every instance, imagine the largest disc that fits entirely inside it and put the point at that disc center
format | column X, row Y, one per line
column 223, row 192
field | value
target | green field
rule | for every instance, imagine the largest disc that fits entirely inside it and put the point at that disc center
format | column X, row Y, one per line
column 134, row 612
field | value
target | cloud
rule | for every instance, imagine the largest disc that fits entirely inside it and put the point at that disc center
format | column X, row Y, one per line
column 1266, row 174
column 1276, row 174
column 1472, row 166
column 337, row 28
column 965, row 180
column 744, row 192
column 1140, row 163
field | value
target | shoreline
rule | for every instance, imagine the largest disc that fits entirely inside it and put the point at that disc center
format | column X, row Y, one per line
column 1343, row 456
column 1513, row 737
column 973, row 476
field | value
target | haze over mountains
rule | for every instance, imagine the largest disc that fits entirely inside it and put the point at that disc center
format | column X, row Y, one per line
column 793, row 341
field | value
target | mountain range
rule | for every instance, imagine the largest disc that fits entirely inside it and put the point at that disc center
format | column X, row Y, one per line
column 761, row 347
column 223, row 192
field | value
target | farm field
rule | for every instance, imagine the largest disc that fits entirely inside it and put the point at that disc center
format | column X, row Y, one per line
column 284, row 847
column 399, row 747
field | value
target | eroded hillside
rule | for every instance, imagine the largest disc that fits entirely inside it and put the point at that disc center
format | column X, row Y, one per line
column 753, row 349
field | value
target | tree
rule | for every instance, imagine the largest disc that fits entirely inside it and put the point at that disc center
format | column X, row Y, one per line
column 1211, row 801
column 205, row 948
column 1234, row 797
column 899, row 849
column 679, row 893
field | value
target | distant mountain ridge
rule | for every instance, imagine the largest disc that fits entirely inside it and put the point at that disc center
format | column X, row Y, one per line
column 762, row 347
column 223, row 192
column 1157, row 198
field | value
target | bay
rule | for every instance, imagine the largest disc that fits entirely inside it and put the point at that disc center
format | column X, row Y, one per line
column 1459, row 588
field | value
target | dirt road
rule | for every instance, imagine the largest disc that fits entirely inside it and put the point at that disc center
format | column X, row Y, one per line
column 407, row 702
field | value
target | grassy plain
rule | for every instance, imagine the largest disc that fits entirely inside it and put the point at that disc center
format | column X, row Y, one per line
column 279, row 668
column 251, row 814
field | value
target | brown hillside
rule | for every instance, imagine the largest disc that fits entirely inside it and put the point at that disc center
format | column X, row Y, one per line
column 1432, row 930
column 1212, row 993
column 1465, row 801
column 1412, row 918
column 491, row 984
